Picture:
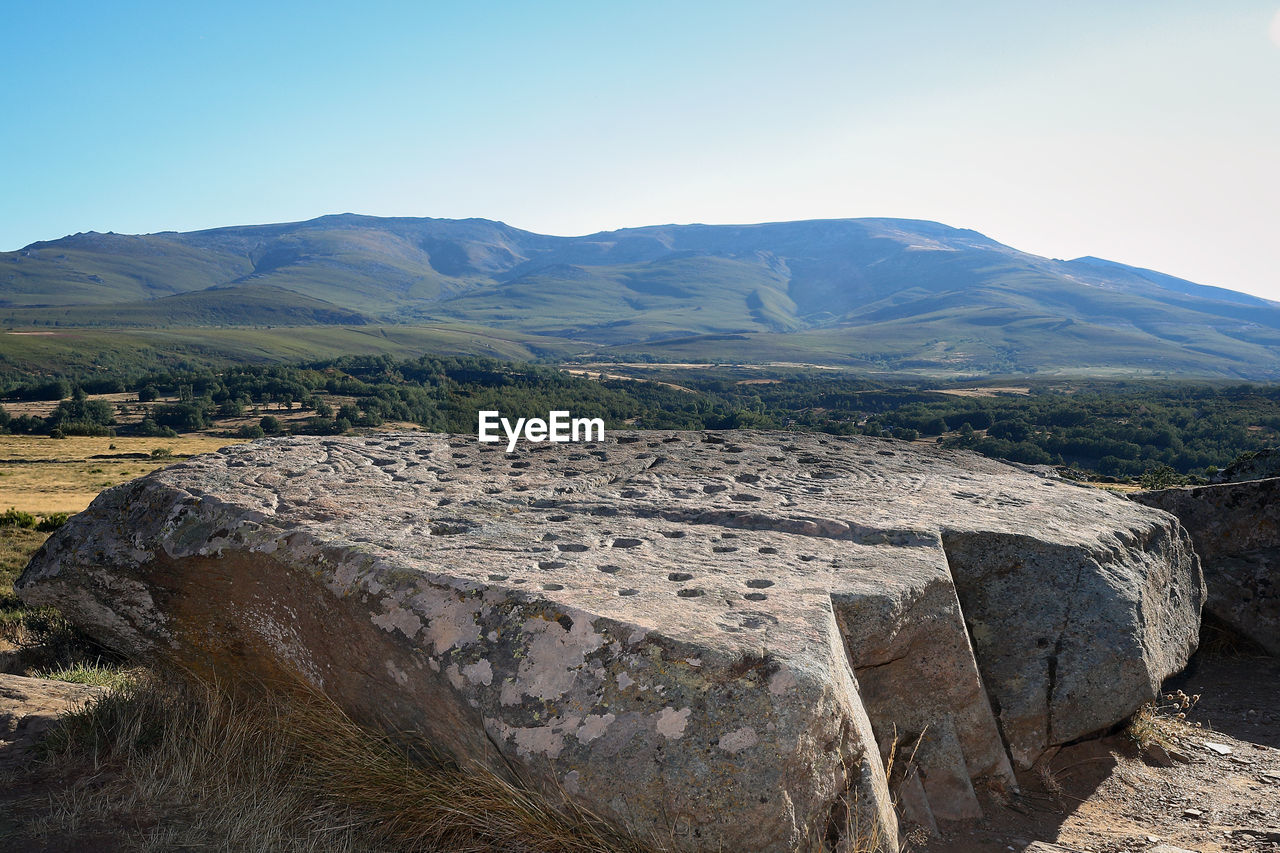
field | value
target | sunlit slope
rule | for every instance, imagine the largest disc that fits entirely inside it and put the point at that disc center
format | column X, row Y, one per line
column 79, row 350
column 901, row 293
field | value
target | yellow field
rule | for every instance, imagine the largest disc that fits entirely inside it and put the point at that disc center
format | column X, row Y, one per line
column 42, row 475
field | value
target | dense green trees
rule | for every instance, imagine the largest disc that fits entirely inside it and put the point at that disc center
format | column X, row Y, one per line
column 1118, row 429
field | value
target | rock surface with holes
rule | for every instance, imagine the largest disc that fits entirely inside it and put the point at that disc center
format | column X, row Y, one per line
column 716, row 638
column 1236, row 530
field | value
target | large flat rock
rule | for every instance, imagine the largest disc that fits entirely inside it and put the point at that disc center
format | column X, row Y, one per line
column 715, row 637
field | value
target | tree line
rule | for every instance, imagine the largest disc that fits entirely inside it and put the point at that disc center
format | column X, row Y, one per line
column 1123, row 430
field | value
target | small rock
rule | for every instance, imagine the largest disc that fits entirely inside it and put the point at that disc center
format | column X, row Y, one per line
column 1193, row 814
column 1220, row 748
column 1155, row 754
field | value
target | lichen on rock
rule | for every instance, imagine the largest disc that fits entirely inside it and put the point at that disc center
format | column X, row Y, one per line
column 713, row 637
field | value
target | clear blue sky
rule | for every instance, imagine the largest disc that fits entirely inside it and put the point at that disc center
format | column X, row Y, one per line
column 1144, row 132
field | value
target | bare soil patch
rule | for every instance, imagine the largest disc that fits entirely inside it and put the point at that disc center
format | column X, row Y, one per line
column 1017, row 390
column 1111, row 796
column 602, row 375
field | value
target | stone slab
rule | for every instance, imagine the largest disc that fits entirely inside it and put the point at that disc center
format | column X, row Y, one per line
column 715, row 637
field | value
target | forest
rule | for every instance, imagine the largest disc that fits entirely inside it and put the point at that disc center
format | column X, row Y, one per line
column 1149, row 431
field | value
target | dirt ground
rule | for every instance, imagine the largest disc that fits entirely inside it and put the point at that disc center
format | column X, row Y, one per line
column 1106, row 796
column 1010, row 390
column 1099, row 796
column 602, row 375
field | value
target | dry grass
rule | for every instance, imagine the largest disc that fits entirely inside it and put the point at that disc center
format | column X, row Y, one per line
column 17, row 544
column 858, row 830
column 169, row 764
column 81, row 448
column 1009, row 390
column 19, row 625
column 45, row 475
column 1051, row 785
column 191, row 765
column 1219, row 639
column 1161, row 722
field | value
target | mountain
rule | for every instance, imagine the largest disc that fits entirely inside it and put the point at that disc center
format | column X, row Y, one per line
column 886, row 293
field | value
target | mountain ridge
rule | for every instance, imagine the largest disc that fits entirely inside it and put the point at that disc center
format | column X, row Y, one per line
column 874, row 289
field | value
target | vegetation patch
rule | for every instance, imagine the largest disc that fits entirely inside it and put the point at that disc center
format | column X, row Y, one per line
column 1152, row 433
column 35, row 641
column 180, row 764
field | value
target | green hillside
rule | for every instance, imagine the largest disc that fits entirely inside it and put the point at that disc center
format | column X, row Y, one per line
column 238, row 305
column 89, row 351
column 894, row 295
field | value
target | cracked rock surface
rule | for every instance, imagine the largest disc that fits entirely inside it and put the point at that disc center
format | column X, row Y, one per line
column 715, row 637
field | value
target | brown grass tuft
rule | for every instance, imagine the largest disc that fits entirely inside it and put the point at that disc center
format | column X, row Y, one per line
column 1160, row 722
column 193, row 765
column 1218, row 639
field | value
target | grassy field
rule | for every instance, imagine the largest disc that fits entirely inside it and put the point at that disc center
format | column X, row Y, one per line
column 44, row 475
column 16, row 547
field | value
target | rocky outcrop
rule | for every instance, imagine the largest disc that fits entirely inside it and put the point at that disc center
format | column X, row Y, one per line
column 28, row 707
column 713, row 637
column 1257, row 465
column 1236, row 529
